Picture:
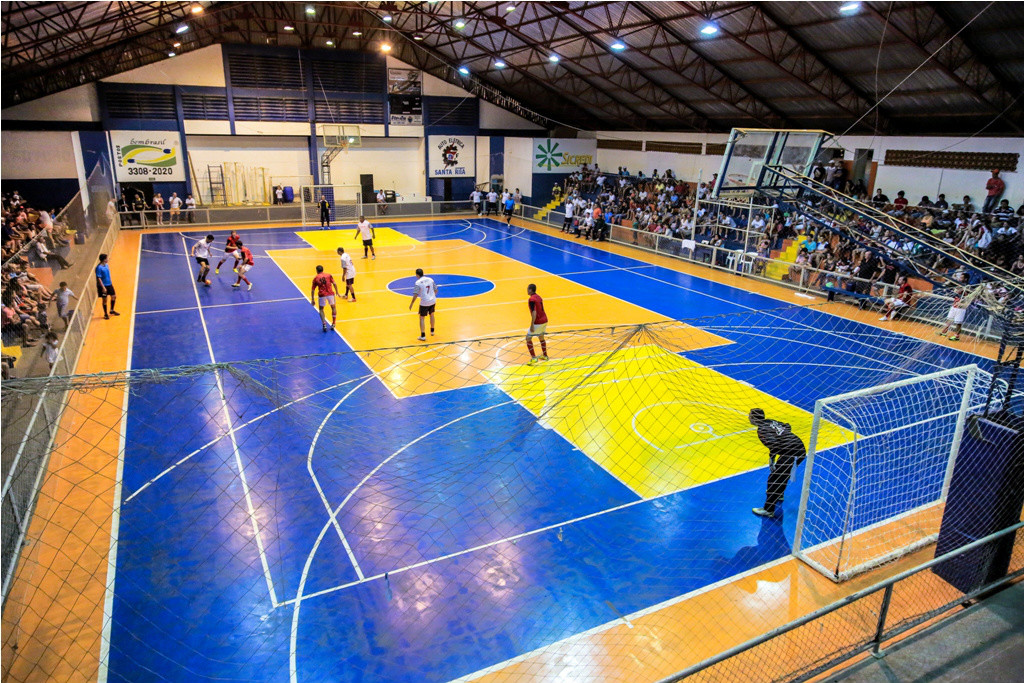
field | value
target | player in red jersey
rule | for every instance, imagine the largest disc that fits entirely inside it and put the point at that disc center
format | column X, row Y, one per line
column 230, row 250
column 538, row 324
column 245, row 264
column 326, row 288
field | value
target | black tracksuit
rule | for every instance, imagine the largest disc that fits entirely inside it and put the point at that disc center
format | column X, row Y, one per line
column 785, row 450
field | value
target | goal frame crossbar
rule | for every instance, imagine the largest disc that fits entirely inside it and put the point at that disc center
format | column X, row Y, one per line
column 839, row 574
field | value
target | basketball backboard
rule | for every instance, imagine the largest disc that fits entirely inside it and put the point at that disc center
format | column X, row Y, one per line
column 749, row 150
column 341, row 136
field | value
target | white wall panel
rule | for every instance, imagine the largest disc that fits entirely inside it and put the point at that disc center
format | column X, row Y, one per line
column 38, row 154
column 204, row 66
column 77, row 104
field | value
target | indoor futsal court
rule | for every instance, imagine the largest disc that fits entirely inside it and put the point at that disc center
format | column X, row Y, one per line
column 721, row 383
column 376, row 491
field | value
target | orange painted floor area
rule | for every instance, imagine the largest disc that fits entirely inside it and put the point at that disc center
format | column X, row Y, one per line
column 54, row 617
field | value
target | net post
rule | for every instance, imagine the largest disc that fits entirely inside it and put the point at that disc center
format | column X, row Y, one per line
column 958, row 433
column 805, row 489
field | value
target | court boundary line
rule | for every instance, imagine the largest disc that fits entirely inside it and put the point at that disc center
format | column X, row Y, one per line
column 103, row 671
column 231, row 435
column 236, row 303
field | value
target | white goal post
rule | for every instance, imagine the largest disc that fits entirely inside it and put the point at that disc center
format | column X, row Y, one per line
column 344, row 202
column 880, row 495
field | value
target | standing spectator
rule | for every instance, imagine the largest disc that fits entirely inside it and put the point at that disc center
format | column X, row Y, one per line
column 190, row 209
column 278, row 195
column 325, row 212
column 175, row 203
column 158, row 205
column 994, row 187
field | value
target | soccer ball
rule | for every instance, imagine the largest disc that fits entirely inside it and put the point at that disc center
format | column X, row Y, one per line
column 208, row 283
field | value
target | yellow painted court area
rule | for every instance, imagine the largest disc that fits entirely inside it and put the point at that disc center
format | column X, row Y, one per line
column 381, row 319
column 633, row 411
column 330, row 240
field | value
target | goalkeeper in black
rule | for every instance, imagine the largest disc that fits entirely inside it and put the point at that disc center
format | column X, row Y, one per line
column 785, row 451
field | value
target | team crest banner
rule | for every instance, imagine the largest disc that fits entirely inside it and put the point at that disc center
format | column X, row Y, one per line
column 451, row 156
column 148, row 156
column 562, row 155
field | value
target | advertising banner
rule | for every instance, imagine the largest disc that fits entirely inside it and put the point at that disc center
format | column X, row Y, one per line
column 147, row 156
column 405, row 101
column 562, row 155
column 451, row 156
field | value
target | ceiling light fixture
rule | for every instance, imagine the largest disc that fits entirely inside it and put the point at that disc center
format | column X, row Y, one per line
column 310, row 9
column 385, row 47
column 181, row 29
column 170, row 54
column 330, row 43
column 176, row 44
column 357, row 33
column 709, row 29
column 618, row 45
column 464, row 71
column 417, row 36
column 850, row 7
column 386, row 18
column 289, row 27
column 197, row 9
column 499, row 64
column 460, row 24
column 510, row 8
column 554, row 59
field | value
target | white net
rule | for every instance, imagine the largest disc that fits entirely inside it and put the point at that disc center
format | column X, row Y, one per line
column 875, row 494
column 343, row 203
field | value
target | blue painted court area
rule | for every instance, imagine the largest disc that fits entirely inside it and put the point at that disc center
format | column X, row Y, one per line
column 336, row 533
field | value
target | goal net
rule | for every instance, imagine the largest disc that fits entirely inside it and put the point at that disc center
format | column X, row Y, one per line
column 343, row 200
column 356, row 514
column 878, row 495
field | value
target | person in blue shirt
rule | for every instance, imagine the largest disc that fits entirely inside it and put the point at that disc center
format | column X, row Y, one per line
column 105, row 288
column 510, row 205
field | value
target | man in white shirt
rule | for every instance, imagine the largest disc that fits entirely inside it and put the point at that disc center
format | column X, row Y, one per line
column 570, row 208
column 175, row 204
column 492, row 203
column 475, row 196
column 366, row 231
column 426, row 290
column 348, row 273
column 201, row 253
column 382, row 204
column 190, row 209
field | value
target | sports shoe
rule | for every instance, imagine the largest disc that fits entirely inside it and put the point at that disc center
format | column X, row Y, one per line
column 422, row 337
column 217, row 271
column 373, row 258
column 324, row 326
column 332, row 326
column 884, row 317
column 249, row 288
column 761, row 512
column 543, row 357
column 533, row 360
column 106, row 317
column 237, row 284
column 364, row 255
column 113, row 312
column 955, row 337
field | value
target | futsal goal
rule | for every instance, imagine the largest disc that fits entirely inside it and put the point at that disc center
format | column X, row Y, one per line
column 344, row 202
column 879, row 495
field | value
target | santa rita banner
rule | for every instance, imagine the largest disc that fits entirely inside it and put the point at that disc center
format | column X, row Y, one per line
column 451, row 156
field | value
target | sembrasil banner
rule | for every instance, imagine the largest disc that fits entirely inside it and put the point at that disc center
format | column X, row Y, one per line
column 451, row 156
column 148, row 156
column 562, row 155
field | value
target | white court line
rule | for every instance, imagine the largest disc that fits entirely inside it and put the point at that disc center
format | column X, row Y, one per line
column 234, row 442
column 237, row 303
column 115, row 515
column 508, row 539
column 292, row 651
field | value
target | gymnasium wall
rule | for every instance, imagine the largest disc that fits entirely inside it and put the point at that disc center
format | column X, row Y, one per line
column 40, row 165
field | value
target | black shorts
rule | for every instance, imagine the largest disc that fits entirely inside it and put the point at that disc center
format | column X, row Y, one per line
column 109, row 291
column 368, row 243
column 350, row 280
column 508, row 212
column 202, row 261
column 426, row 310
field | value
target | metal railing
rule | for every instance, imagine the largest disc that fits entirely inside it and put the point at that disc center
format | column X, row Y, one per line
column 31, row 422
column 295, row 213
column 860, row 622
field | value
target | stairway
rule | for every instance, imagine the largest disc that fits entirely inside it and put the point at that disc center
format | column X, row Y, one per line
column 547, row 208
column 788, row 253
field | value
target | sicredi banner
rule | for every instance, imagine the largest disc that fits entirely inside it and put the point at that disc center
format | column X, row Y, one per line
column 451, row 156
column 562, row 155
column 147, row 156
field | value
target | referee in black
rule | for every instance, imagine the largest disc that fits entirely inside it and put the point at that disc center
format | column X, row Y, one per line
column 785, row 451
column 325, row 212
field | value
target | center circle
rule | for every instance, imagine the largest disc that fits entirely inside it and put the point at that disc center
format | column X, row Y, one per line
column 448, row 286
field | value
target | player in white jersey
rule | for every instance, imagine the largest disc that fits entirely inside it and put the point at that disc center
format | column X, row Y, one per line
column 201, row 253
column 426, row 290
column 348, row 273
column 366, row 231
